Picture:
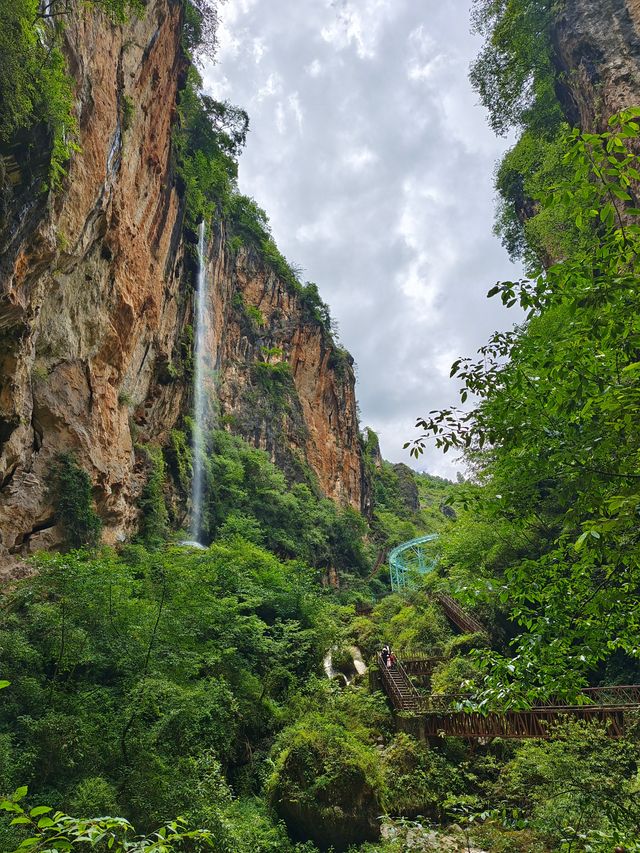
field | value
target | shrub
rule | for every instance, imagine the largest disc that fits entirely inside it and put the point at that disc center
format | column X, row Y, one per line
column 153, row 510
column 457, row 675
column 326, row 784
column 180, row 459
column 71, row 489
column 342, row 661
column 245, row 526
column 417, row 779
column 128, row 110
column 94, row 795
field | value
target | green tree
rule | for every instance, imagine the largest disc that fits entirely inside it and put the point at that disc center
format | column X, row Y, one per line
column 514, row 73
column 554, row 435
column 575, row 790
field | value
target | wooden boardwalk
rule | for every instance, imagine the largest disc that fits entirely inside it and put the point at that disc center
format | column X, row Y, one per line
column 607, row 705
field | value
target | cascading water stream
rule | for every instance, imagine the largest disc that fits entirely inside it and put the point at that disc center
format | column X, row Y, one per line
column 199, row 390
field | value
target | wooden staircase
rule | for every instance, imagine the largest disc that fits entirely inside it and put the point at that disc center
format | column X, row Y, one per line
column 398, row 687
column 463, row 621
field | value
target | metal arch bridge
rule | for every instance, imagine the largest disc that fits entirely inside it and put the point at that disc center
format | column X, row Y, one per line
column 409, row 559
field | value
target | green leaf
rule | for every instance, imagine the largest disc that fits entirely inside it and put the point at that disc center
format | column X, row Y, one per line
column 38, row 810
column 581, row 540
column 619, row 192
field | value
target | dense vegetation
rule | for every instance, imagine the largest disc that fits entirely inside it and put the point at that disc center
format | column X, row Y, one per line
column 150, row 684
column 127, row 698
column 248, row 496
column 155, row 680
column 517, row 81
column 554, row 441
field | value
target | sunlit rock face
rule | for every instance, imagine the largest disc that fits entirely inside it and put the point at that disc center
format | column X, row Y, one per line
column 90, row 284
column 96, row 306
column 304, row 414
column 598, row 55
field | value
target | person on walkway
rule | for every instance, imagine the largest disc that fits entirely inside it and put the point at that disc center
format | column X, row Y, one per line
column 384, row 654
column 392, row 659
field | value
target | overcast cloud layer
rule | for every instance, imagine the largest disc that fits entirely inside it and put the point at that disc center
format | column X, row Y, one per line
column 374, row 162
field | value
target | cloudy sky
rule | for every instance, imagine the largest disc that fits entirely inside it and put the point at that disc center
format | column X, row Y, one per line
column 375, row 163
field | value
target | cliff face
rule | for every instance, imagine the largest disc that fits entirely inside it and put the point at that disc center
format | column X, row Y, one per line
column 280, row 381
column 597, row 47
column 96, row 306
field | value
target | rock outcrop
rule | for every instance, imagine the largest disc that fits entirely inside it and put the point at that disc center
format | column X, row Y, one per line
column 597, row 53
column 96, row 305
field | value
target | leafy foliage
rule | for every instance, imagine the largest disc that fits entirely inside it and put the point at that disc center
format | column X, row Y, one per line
column 124, row 694
column 71, row 489
column 56, row 831
column 153, row 511
column 207, row 142
column 554, row 434
column 535, row 232
column 325, row 782
column 200, row 28
column 514, row 74
column 293, row 521
column 418, row 780
column 576, row 791
column 412, row 624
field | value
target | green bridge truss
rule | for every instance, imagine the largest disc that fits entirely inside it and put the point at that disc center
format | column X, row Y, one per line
column 408, row 560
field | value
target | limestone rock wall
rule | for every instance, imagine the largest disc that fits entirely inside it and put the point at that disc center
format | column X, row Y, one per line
column 96, row 305
column 597, row 47
column 302, row 415
column 90, row 283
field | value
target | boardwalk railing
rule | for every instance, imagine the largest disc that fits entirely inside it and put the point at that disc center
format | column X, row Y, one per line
column 616, row 696
column 535, row 723
column 464, row 621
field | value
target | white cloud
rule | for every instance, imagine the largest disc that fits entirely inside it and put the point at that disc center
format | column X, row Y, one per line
column 424, row 59
column 258, row 50
column 374, row 162
column 295, row 108
column 272, row 86
column 359, row 158
column 358, row 25
column 314, row 69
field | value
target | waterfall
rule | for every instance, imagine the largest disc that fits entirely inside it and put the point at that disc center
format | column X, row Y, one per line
column 199, row 390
